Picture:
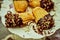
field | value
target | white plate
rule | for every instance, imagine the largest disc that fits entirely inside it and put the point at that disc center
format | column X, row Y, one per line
column 28, row 32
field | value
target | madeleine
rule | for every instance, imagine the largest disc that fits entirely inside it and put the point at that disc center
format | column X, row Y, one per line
column 34, row 3
column 20, row 6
